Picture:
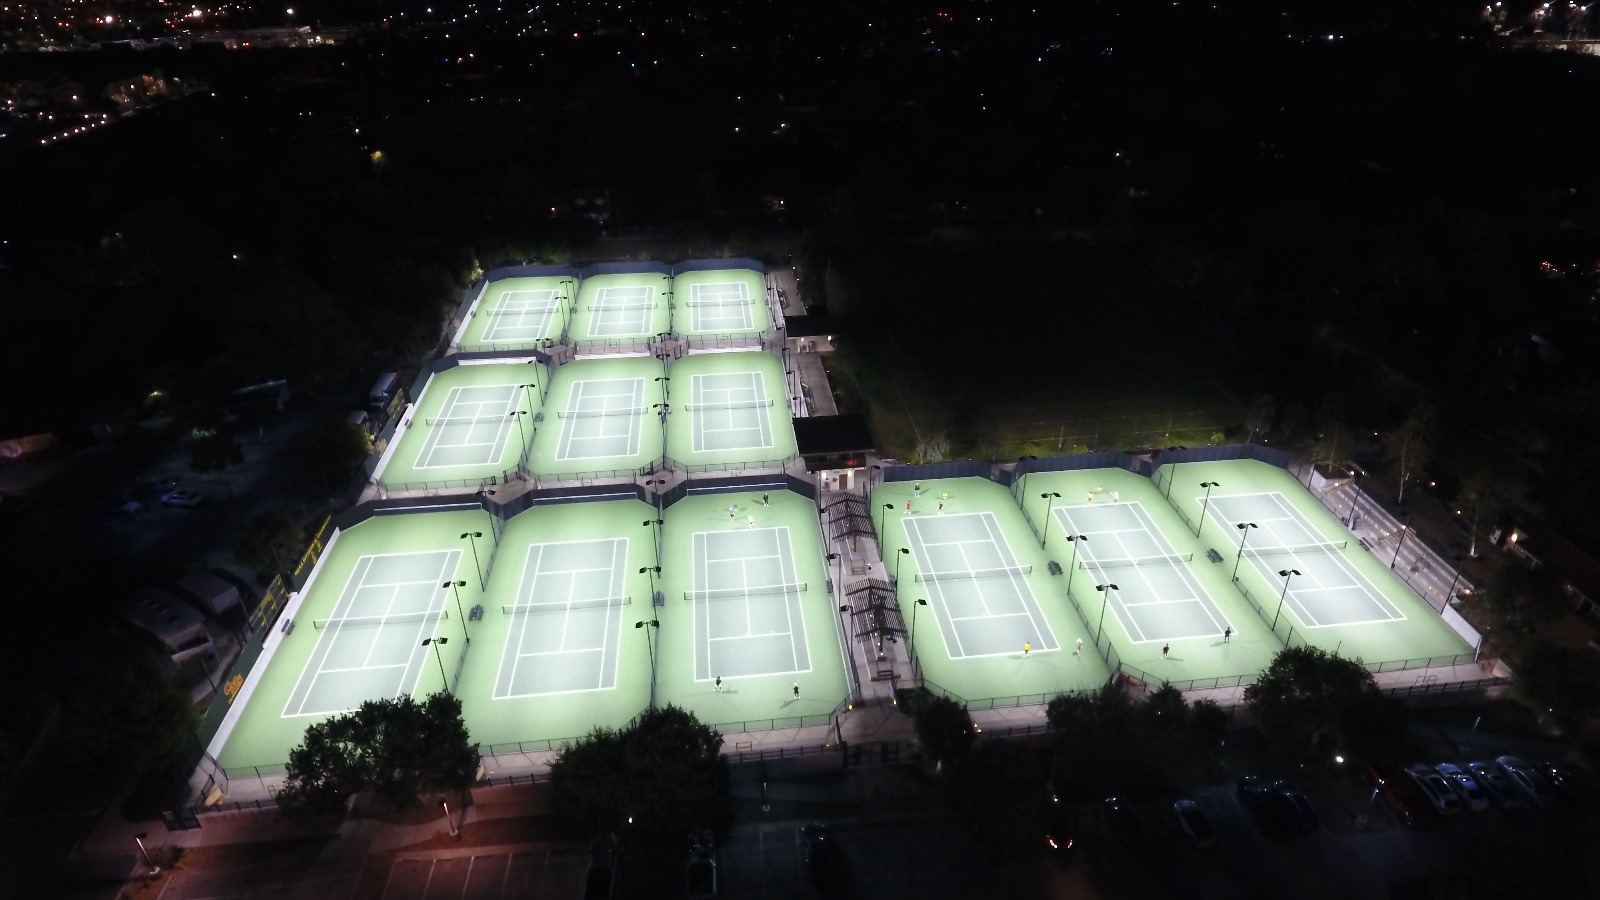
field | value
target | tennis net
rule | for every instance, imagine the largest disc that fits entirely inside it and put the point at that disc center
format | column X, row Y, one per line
column 1268, row 552
column 620, row 307
column 596, row 413
column 738, row 404
column 760, row 590
column 601, row 603
column 1170, row 559
column 718, row 301
column 481, row 420
column 396, row 619
column 974, row 574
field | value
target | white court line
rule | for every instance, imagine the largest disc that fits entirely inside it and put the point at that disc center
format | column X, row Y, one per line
column 527, row 587
column 363, row 668
column 1163, row 548
column 990, row 617
column 435, row 439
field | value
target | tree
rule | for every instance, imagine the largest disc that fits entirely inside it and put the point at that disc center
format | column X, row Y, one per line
column 1410, row 446
column 1000, row 788
column 1333, row 435
column 213, row 452
column 944, row 728
column 129, row 718
column 1259, row 418
column 1311, row 703
column 394, row 749
column 662, row 775
column 1479, row 502
column 932, row 446
column 270, row 539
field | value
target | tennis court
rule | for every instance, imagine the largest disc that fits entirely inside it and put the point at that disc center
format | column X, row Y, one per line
column 730, row 411
column 371, row 646
column 976, row 586
column 471, row 427
column 1328, row 589
column 621, row 309
column 721, row 303
column 566, row 620
column 602, row 419
column 746, row 596
column 1156, row 597
column 720, row 306
column 517, row 312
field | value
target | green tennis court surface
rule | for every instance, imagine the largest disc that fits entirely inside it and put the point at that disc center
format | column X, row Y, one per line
column 723, row 303
column 517, row 312
column 1157, row 598
column 746, row 598
column 604, row 419
column 729, row 409
column 471, row 422
column 981, row 600
column 621, row 309
column 564, row 635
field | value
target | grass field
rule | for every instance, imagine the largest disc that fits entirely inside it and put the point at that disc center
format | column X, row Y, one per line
column 1034, row 353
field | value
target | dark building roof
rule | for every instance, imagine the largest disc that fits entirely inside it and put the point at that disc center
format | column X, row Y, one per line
column 825, row 435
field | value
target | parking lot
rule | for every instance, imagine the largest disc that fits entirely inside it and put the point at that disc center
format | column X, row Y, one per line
column 484, row 874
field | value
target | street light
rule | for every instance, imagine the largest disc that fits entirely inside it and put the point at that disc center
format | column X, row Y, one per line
column 456, row 587
column 1174, row 473
column 521, row 429
column 1449, row 592
column 438, row 642
column 651, row 647
column 904, row 551
column 154, row 869
column 1244, row 535
column 655, row 539
column 1049, row 498
column 838, row 584
column 919, row 602
column 881, row 523
column 653, row 571
column 1404, row 518
column 1286, row 574
column 1073, row 539
column 471, row 537
column 870, row 479
column 1208, row 485
column 1105, row 601
column 916, row 658
column 447, row 819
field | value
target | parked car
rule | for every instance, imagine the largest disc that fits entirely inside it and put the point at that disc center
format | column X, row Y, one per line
column 1465, row 786
column 1438, row 791
column 1558, row 777
column 1194, row 822
column 181, row 498
column 700, row 872
column 1493, row 780
column 1061, row 837
column 1124, row 820
column 1280, row 804
column 1530, row 781
column 600, row 882
column 1401, row 795
column 819, row 850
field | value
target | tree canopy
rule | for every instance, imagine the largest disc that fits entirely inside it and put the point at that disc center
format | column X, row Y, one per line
column 943, row 727
column 1311, row 703
column 1107, row 742
column 395, row 750
column 129, row 718
column 661, row 775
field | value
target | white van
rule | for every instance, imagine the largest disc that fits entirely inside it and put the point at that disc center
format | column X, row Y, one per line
column 383, row 390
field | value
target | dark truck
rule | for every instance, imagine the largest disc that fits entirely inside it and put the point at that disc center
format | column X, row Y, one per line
column 700, row 873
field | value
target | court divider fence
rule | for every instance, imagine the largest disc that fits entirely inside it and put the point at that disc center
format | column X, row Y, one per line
column 731, row 468
column 1283, row 631
column 541, row 478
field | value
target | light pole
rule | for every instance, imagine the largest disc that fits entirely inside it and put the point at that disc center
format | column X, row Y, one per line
column 1286, row 574
column 521, row 429
column 652, row 571
column 838, row 584
column 1173, row 474
column 1404, row 518
column 651, row 647
column 438, row 642
column 448, row 820
column 455, row 587
column 904, row 552
column 1449, row 592
column 1073, row 539
column 471, row 537
column 655, row 539
column 655, row 486
column 916, row 658
column 1244, row 535
column 870, row 479
column 1350, row 515
column 881, row 522
column 1208, row 485
column 1105, row 601
column 154, row 869
column 1049, row 498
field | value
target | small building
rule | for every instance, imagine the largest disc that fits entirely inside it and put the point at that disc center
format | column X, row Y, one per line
column 176, row 627
column 210, row 593
column 835, row 447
